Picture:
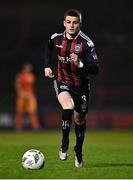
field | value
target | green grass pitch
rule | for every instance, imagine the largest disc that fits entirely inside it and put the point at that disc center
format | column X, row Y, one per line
column 107, row 154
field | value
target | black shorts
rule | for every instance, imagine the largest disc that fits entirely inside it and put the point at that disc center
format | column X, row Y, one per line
column 80, row 95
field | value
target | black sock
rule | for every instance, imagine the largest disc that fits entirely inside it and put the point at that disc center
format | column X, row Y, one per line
column 66, row 125
column 80, row 134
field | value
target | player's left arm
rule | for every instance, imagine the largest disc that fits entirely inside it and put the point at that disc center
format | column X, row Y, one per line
column 92, row 59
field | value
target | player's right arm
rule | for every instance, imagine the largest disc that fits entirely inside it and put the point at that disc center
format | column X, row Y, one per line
column 47, row 58
column 48, row 72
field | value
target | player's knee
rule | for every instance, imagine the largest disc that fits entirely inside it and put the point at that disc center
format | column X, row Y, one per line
column 79, row 118
column 68, row 105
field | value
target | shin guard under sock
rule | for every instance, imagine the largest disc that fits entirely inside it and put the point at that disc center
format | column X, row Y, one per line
column 66, row 125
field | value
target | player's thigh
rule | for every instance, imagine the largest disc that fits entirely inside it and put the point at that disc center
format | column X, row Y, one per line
column 20, row 105
column 31, row 106
column 66, row 101
column 79, row 118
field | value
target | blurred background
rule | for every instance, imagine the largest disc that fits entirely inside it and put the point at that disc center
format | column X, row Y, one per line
column 25, row 27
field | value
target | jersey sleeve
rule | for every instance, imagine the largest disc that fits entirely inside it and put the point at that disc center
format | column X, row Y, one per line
column 91, row 52
column 91, row 58
column 48, row 52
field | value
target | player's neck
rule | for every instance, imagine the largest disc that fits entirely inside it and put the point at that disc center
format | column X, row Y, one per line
column 71, row 36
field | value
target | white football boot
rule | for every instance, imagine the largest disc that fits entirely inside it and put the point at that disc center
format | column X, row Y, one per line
column 63, row 155
column 78, row 159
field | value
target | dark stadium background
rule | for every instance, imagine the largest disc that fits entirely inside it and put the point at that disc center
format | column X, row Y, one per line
column 24, row 29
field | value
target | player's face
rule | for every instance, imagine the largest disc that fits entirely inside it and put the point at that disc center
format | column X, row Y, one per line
column 72, row 25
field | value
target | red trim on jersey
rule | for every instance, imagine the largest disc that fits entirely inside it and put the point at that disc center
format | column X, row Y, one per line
column 72, row 46
column 63, row 49
column 63, row 53
column 73, row 67
column 59, row 72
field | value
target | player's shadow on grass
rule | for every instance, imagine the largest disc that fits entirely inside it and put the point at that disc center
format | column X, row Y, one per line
column 111, row 164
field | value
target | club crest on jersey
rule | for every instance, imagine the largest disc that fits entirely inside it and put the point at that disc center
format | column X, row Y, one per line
column 77, row 48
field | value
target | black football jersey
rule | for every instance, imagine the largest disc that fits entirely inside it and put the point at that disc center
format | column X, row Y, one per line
column 81, row 45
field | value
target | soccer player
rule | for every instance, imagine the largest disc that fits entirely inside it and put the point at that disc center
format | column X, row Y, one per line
column 25, row 98
column 76, row 57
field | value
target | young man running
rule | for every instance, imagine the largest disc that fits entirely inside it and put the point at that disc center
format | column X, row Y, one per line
column 76, row 59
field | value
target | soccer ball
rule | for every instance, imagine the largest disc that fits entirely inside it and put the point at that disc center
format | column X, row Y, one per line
column 33, row 159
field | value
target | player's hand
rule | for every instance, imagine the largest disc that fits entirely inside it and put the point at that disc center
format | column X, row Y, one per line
column 48, row 72
column 75, row 59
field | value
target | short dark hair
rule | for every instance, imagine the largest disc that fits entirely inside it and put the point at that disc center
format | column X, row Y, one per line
column 75, row 13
